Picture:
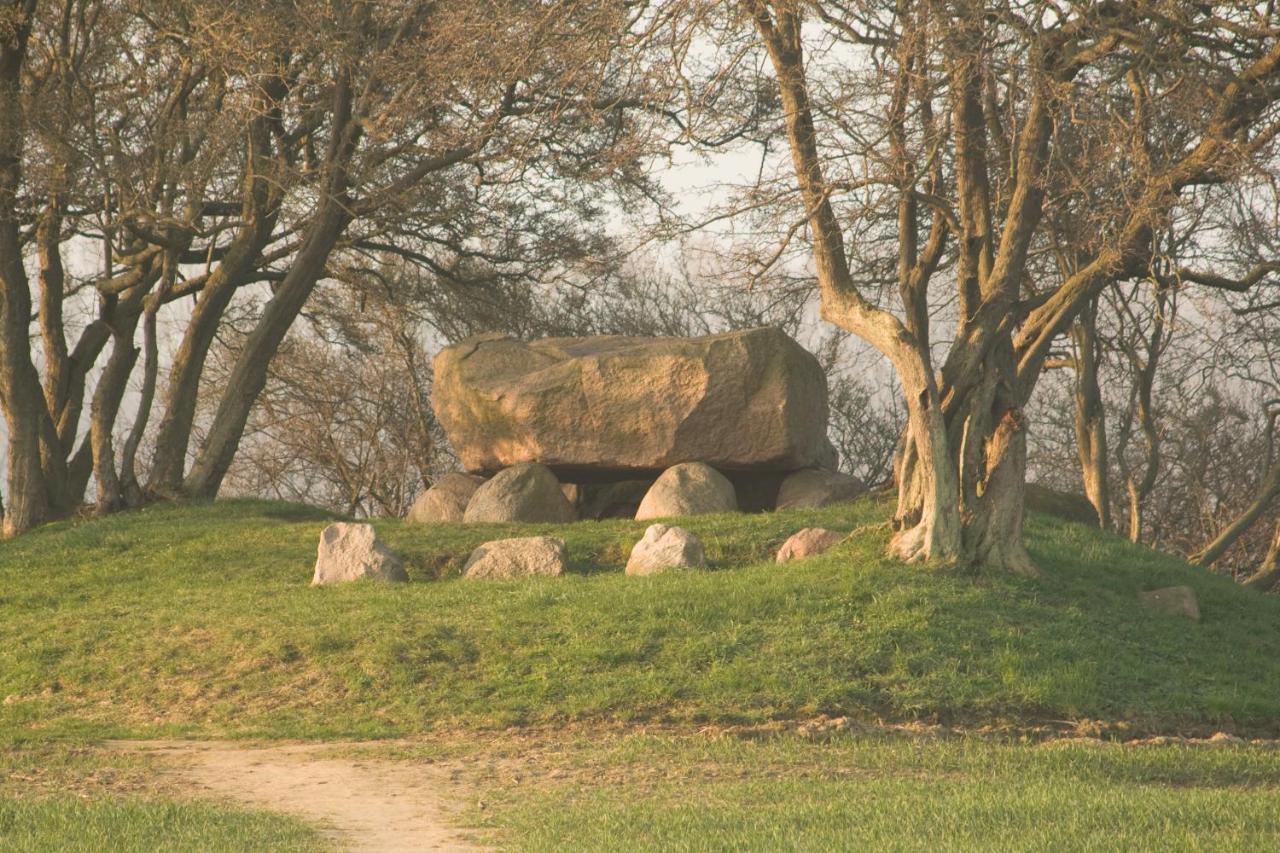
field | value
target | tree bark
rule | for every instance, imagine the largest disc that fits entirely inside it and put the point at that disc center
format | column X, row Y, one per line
column 927, row 521
column 1090, row 417
column 981, row 434
column 104, row 409
column 29, row 498
column 129, row 487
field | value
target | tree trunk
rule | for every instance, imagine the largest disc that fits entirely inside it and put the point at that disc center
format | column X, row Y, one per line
column 52, row 285
column 262, row 196
column 29, row 500
column 132, row 491
column 1267, row 578
column 1268, row 493
column 104, row 409
column 927, row 520
column 20, row 390
column 249, row 375
column 986, row 528
column 1090, row 417
column 976, row 482
column 173, row 437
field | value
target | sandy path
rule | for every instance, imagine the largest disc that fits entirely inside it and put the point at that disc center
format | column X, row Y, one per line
column 372, row 805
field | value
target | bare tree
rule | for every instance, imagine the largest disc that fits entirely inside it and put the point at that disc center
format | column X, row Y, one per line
column 953, row 115
column 345, row 418
column 241, row 153
column 1267, row 493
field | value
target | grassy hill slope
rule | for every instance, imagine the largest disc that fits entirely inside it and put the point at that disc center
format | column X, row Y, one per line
column 199, row 620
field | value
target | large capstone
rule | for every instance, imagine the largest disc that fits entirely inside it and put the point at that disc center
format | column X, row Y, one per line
column 609, row 407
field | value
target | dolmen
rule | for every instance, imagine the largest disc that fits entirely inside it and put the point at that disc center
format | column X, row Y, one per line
column 557, row 429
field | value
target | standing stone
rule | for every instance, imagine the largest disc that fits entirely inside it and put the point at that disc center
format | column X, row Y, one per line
column 528, row 492
column 814, row 487
column 665, row 547
column 446, row 500
column 516, row 558
column 689, row 489
column 1172, row 601
column 809, row 542
column 746, row 400
column 351, row 552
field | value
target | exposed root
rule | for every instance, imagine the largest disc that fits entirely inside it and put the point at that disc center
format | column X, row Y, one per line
column 917, row 545
column 1009, row 557
column 921, row 544
column 909, row 545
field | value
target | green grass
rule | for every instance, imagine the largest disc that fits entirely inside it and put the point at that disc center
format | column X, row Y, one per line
column 60, row 798
column 854, row 793
column 123, row 824
column 199, row 620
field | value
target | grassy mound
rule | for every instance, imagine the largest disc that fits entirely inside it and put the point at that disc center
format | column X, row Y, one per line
column 199, row 620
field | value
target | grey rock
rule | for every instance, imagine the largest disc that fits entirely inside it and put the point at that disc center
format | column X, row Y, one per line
column 350, row 552
column 612, row 500
column 665, row 547
column 1172, row 601
column 1064, row 505
column 691, row 488
column 528, row 492
column 815, row 487
column 515, row 558
column 809, row 543
column 446, row 500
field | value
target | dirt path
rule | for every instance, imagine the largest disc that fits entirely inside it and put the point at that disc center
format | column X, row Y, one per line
column 372, row 805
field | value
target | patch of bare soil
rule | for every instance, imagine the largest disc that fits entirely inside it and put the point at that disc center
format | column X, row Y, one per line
column 372, row 805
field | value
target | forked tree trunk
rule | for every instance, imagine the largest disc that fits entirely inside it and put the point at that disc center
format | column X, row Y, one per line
column 985, row 528
column 967, row 503
column 173, row 438
column 262, row 196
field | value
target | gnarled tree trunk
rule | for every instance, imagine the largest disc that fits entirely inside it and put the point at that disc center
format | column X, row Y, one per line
column 976, row 480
